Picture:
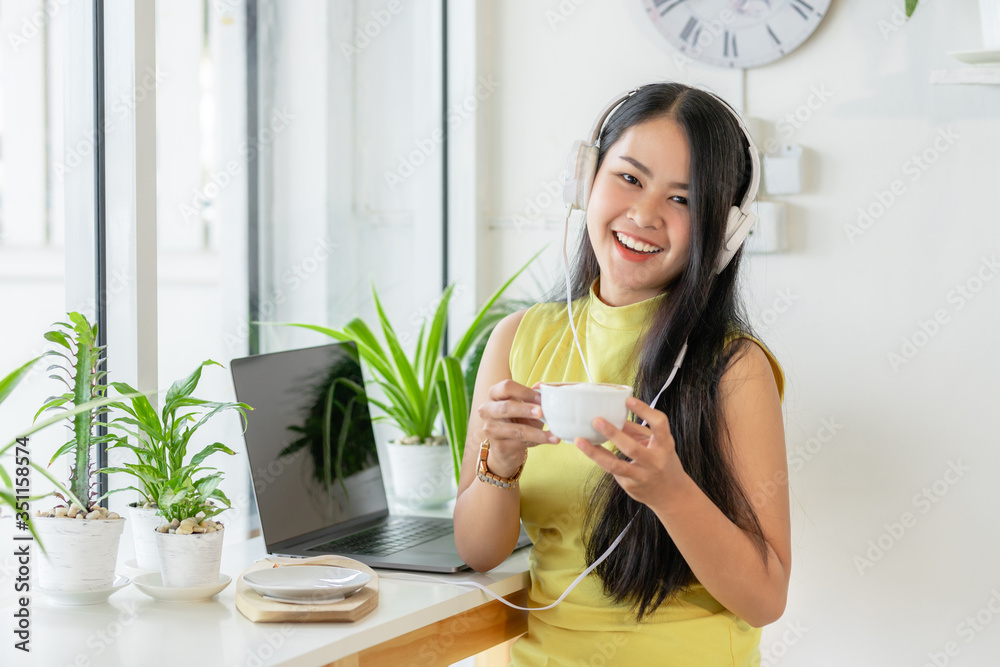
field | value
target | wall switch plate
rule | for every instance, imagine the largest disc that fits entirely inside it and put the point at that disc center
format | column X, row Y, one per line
column 769, row 233
column 783, row 171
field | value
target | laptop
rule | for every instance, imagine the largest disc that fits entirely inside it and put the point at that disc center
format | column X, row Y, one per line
column 319, row 490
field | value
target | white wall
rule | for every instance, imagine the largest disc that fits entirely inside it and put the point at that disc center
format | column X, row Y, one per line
column 897, row 430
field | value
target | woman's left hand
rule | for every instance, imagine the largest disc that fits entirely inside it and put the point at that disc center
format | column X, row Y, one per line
column 655, row 469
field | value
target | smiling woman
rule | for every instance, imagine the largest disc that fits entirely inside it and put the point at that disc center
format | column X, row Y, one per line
column 690, row 554
column 638, row 220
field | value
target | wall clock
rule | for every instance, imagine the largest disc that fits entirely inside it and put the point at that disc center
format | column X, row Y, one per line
column 737, row 33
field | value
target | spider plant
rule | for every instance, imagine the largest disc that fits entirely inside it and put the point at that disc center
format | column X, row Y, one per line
column 432, row 383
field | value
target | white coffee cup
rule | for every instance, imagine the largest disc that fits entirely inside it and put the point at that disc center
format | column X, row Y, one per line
column 570, row 408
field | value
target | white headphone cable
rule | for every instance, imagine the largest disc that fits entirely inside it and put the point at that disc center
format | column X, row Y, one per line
column 569, row 292
column 475, row 584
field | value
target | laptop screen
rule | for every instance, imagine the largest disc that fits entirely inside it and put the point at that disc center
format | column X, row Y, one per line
column 309, row 439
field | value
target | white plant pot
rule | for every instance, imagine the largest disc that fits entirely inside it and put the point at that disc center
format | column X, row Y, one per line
column 144, row 521
column 80, row 554
column 989, row 17
column 422, row 476
column 189, row 560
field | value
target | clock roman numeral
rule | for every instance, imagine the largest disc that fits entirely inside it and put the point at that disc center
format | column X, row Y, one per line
column 799, row 10
column 667, row 5
column 803, row 3
column 689, row 28
column 729, row 47
column 773, row 36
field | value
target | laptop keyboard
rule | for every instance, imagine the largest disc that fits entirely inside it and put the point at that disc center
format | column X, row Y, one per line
column 387, row 538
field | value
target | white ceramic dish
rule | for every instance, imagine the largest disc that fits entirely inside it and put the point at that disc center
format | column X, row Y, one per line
column 314, row 584
column 76, row 598
column 152, row 585
column 337, row 598
column 977, row 57
column 132, row 567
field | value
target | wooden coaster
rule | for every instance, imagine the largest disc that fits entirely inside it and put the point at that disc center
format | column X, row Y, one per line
column 260, row 610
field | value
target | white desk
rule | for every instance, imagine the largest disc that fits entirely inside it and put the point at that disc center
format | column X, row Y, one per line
column 422, row 623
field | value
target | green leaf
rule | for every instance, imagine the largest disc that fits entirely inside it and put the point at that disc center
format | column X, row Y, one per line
column 218, row 494
column 66, row 448
column 207, row 485
column 436, row 335
column 455, row 408
column 56, row 402
column 58, row 338
column 355, row 331
column 141, row 409
column 419, row 357
column 184, row 388
column 910, row 6
column 400, row 400
column 473, row 332
column 405, row 376
column 208, row 451
column 14, row 378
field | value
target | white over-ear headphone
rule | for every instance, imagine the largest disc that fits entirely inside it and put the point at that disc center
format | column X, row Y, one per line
column 581, row 168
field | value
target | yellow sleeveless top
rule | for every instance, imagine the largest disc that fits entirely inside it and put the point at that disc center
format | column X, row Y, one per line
column 587, row 628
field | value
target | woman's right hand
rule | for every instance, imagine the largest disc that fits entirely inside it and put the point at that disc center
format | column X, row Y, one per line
column 511, row 419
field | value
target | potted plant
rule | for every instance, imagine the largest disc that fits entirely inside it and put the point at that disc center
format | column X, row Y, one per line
column 80, row 537
column 177, row 498
column 423, row 391
column 8, row 488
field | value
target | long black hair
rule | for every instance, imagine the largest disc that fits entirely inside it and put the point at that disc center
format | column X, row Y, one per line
column 702, row 308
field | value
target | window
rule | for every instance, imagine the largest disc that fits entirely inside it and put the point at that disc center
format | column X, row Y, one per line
column 47, row 175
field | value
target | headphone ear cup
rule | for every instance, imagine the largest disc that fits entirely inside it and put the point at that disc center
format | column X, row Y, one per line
column 738, row 226
column 581, row 167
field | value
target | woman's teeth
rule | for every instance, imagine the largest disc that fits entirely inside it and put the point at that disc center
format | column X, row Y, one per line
column 634, row 244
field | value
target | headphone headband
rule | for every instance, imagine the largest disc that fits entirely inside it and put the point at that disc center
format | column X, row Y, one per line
column 581, row 168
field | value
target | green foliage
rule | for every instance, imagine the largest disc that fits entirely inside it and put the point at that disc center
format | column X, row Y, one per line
column 910, row 6
column 164, row 474
column 79, row 367
column 7, row 497
column 337, row 399
column 431, row 383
